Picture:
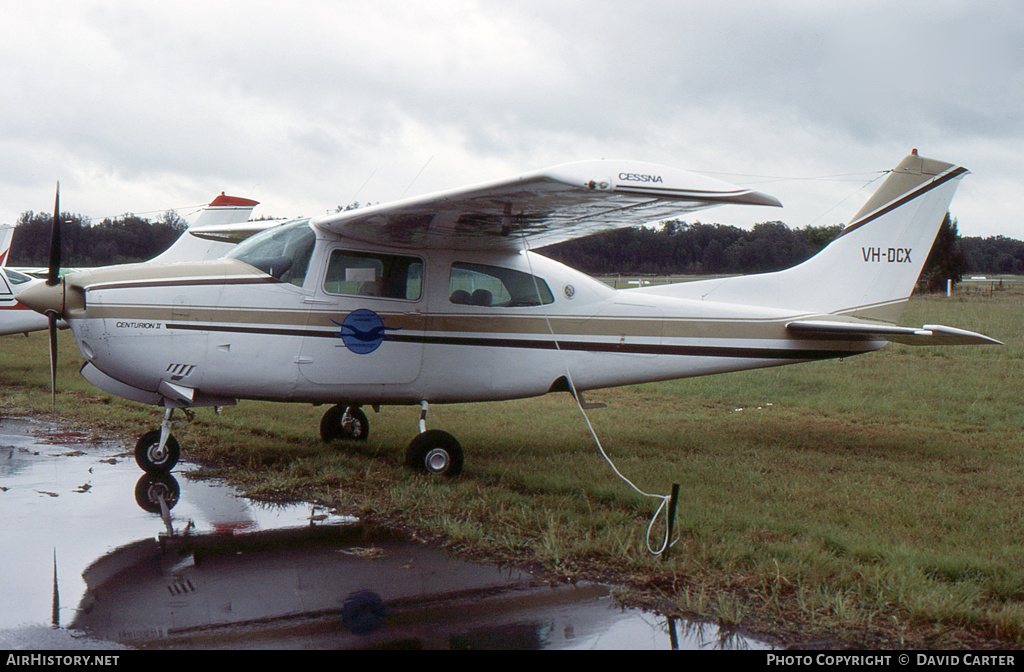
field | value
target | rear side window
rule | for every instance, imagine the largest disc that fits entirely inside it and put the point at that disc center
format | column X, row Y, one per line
column 481, row 285
column 385, row 276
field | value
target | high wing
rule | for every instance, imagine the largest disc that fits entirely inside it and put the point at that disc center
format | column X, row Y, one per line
column 929, row 334
column 544, row 207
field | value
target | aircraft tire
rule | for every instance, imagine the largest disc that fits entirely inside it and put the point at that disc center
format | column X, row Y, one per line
column 435, row 452
column 146, row 454
column 332, row 428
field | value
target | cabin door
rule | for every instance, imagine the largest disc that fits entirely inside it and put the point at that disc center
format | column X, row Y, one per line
column 366, row 320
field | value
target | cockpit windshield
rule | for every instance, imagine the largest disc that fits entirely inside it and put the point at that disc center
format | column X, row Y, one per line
column 15, row 277
column 283, row 251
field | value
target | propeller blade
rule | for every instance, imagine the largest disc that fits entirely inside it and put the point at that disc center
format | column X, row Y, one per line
column 53, row 271
column 51, row 318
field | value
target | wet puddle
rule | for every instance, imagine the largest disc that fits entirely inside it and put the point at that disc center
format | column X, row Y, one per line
column 95, row 556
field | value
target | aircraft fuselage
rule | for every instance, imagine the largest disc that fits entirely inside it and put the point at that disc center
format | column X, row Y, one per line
column 373, row 325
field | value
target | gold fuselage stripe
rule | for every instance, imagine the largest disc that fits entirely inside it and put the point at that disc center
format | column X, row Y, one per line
column 654, row 327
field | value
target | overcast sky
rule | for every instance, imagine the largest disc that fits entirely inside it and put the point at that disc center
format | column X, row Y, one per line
column 307, row 105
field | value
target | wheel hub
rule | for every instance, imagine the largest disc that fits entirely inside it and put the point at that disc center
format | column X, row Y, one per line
column 437, row 460
column 156, row 454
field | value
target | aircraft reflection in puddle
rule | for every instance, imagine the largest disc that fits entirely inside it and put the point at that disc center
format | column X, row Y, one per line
column 339, row 586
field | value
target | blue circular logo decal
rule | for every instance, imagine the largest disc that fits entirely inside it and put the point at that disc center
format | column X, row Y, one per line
column 362, row 331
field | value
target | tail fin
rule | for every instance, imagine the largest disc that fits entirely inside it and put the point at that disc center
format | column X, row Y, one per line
column 6, row 235
column 871, row 268
column 221, row 210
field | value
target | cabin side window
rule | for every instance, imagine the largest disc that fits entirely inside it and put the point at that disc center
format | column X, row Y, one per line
column 283, row 251
column 482, row 285
column 385, row 276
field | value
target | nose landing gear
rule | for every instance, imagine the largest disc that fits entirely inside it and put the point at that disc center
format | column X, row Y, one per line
column 157, row 451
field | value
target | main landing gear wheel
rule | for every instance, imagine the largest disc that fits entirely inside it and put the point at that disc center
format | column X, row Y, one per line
column 435, row 452
column 151, row 459
column 348, row 423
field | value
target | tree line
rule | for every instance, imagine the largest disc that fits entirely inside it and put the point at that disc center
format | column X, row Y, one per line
column 995, row 254
column 121, row 240
column 674, row 248
column 678, row 248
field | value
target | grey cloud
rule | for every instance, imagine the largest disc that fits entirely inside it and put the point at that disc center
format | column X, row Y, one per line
column 319, row 95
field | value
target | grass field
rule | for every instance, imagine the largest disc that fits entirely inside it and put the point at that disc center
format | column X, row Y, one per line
column 871, row 501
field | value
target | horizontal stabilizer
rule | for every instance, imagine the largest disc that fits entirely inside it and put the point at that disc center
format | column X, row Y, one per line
column 233, row 233
column 929, row 334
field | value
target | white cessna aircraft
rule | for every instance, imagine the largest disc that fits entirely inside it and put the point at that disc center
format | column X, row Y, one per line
column 194, row 244
column 438, row 299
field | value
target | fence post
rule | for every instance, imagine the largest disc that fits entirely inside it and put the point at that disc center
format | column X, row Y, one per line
column 673, row 502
